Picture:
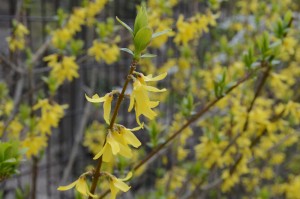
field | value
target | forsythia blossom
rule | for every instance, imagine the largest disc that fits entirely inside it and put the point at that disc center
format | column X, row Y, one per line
column 17, row 40
column 109, row 53
column 116, row 184
column 107, row 99
column 139, row 97
column 117, row 142
column 51, row 114
column 80, row 185
column 34, row 144
column 62, row 67
column 186, row 31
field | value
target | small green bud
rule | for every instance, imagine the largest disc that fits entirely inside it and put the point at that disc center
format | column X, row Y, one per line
column 141, row 20
column 142, row 40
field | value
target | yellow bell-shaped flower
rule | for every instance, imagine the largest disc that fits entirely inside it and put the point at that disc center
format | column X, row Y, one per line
column 139, row 97
column 80, row 185
column 107, row 99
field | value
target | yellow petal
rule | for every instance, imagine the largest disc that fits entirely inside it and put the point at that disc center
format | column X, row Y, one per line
column 157, row 78
column 137, row 128
column 92, row 195
column 153, row 104
column 101, row 152
column 137, row 117
column 147, row 112
column 131, row 139
column 114, row 191
column 148, row 77
column 125, row 151
column 70, row 186
column 52, row 57
column 95, row 98
column 121, row 185
column 81, row 186
column 128, row 176
column 107, row 155
column 107, row 107
column 131, row 102
column 154, row 89
column 113, row 144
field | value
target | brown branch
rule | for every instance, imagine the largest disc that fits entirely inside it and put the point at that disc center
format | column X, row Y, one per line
column 34, row 177
column 257, row 93
column 10, row 64
column 39, row 53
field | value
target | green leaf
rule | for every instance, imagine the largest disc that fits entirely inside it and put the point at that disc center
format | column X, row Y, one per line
column 127, row 50
column 147, row 55
column 288, row 17
column 141, row 20
column 76, row 46
column 248, row 58
column 61, row 16
column 157, row 34
column 142, row 39
column 125, row 25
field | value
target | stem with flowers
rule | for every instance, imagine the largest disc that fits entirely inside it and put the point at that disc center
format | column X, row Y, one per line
column 96, row 173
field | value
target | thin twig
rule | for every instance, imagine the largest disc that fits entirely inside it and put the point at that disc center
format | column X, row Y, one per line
column 34, row 176
column 10, row 64
column 40, row 52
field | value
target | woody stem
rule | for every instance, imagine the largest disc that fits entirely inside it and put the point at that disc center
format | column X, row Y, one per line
column 96, row 174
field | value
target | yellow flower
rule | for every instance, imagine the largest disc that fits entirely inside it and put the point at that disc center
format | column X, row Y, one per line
column 8, row 107
column 17, row 40
column 113, row 146
column 14, row 129
column 139, row 97
column 21, row 30
column 116, row 184
column 186, row 31
column 288, row 45
column 34, row 144
column 107, row 99
column 51, row 114
column 62, row 67
column 61, row 37
column 80, row 185
column 143, row 79
column 103, row 51
column 128, row 136
column 93, row 8
column 117, row 142
column 76, row 20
